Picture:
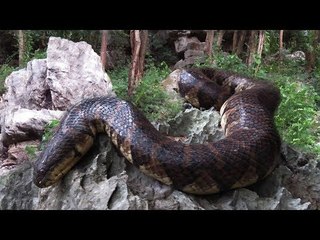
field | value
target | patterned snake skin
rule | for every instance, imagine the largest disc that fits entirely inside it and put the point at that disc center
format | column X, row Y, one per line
column 247, row 154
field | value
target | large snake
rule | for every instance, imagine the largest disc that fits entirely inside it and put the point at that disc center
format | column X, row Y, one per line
column 247, row 154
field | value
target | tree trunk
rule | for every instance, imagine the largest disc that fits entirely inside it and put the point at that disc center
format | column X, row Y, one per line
column 310, row 61
column 251, row 48
column 281, row 45
column 103, row 51
column 142, row 53
column 138, row 40
column 43, row 40
column 220, row 38
column 209, row 43
column 311, row 52
column 234, row 41
column 241, row 42
column 261, row 43
column 21, row 42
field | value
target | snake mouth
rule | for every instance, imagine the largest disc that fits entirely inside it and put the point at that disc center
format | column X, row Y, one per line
column 43, row 183
column 51, row 177
column 53, row 164
column 43, row 179
column 48, row 173
column 40, row 178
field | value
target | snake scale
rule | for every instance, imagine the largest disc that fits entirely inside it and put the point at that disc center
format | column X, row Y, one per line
column 247, row 154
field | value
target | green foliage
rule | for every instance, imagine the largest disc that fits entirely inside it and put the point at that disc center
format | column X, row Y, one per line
column 296, row 114
column 40, row 38
column 30, row 53
column 149, row 95
column 271, row 43
column 118, row 41
column 224, row 61
column 119, row 77
column 230, row 62
column 5, row 71
column 31, row 151
column 49, row 130
column 39, row 54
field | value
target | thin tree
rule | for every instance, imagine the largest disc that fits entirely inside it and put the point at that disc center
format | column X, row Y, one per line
column 138, row 41
column 220, row 38
column 241, row 42
column 142, row 53
column 103, row 51
column 281, row 45
column 209, row 43
column 234, row 41
column 260, row 43
column 310, row 51
column 21, row 43
column 252, row 47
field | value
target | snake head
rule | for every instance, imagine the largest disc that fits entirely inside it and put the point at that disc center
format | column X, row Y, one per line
column 63, row 151
column 47, row 170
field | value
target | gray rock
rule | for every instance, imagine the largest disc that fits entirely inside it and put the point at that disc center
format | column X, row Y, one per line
column 74, row 72
column 196, row 46
column 37, row 94
column 189, row 61
column 27, row 88
column 305, row 183
column 16, row 188
column 182, row 42
column 25, row 124
column 98, row 183
column 20, row 153
column 193, row 53
column 198, row 126
column 296, row 56
column 71, row 72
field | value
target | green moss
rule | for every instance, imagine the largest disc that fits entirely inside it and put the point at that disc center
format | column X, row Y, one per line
column 149, row 96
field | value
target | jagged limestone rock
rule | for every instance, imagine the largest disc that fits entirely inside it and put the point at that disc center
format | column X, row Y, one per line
column 16, row 188
column 71, row 72
column 74, row 72
column 25, row 124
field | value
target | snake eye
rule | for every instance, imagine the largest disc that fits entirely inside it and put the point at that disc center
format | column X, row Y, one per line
column 175, row 89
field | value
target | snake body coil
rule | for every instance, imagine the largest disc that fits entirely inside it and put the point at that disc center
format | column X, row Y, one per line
column 248, row 153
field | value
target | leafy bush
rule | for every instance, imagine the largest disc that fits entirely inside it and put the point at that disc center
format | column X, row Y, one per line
column 224, row 61
column 5, row 71
column 296, row 117
column 48, row 132
column 152, row 98
column 119, row 77
column 149, row 96
column 230, row 62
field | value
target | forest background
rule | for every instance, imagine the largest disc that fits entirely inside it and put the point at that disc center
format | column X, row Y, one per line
column 137, row 61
